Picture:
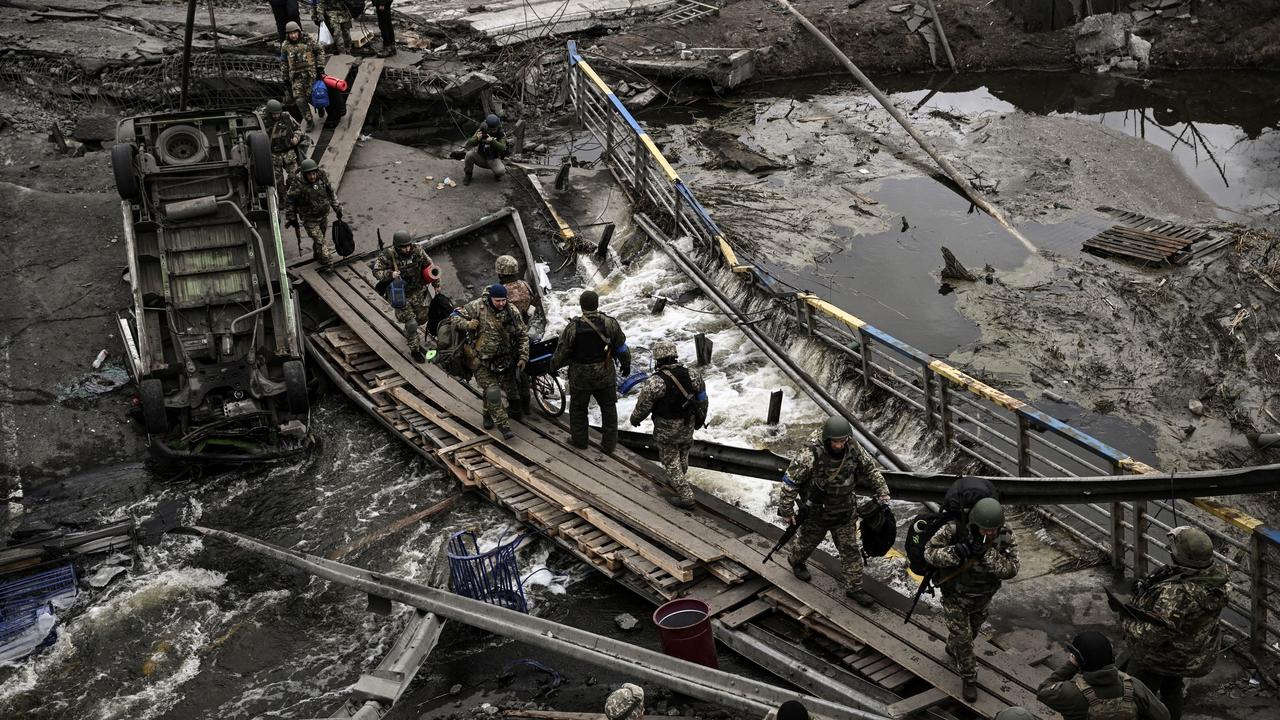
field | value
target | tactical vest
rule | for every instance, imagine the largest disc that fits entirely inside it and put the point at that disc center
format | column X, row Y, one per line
column 1123, row 707
column 674, row 404
column 831, row 489
column 493, row 339
column 281, row 133
column 590, row 342
column 410, row 268
column 977, row 581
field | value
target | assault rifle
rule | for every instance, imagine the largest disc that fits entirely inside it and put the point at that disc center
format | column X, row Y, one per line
column 927, row 584
column 791, row 530
column 1133, row 611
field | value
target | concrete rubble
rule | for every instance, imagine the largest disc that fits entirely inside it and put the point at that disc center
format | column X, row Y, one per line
column 725, row 68
column 508, row 22
column 1106, row 42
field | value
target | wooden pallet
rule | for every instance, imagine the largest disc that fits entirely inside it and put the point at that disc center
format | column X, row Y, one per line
column 686, row 11
column 1145, row 239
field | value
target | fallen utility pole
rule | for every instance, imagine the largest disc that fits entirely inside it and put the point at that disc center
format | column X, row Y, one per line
column 942, row 35
column 884, row 101
column 714, row 686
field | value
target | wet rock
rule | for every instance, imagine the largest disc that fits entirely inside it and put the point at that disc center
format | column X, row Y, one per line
column 95, row 129
column 1196, row 407
column 457, row 688
column 1099, row 37
column 1125, row 64
column 642, row 100
column 626, row 622
column 1140, row 51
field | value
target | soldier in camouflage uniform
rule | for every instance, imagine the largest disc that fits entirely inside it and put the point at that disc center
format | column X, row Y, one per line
column 286, row 136
column 502, row 346
column 1180, row 637
column 520, row 296
column 822, row 477
column 1089, row 687
column 301, row 64
column 625, row 703
column 407, row 261
column 337, row 16
column 974, row 555
column 309, row 198
column 677, row 397
column 588, row 346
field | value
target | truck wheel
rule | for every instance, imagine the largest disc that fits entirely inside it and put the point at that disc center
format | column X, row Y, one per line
column 295, row 386
column 264, row 172
column 122, row 167
column 154, row 416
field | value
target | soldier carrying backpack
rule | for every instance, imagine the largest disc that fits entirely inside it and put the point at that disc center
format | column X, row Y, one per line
column 1088, row 686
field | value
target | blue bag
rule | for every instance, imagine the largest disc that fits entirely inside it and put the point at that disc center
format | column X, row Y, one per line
column 320, row 94
column 396, row 294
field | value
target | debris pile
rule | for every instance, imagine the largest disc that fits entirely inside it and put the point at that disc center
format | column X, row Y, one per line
column 1105, row 42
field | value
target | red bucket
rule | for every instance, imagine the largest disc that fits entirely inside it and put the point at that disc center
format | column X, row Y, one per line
column 684, row 626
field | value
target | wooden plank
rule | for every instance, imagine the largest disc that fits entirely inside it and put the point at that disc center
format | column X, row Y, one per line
column 338, row 152
column 897, row 679
column 732, row 595
column 916, row 703
column 642, row 547
column 751, row 610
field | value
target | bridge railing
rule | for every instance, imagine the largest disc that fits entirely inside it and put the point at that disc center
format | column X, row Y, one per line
column 1003, row 434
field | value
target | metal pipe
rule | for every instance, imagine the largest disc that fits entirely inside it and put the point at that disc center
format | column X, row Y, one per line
column 262, row 258
column 715, row 686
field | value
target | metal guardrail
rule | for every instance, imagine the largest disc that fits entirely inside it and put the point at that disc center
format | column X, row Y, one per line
column 1003, row 434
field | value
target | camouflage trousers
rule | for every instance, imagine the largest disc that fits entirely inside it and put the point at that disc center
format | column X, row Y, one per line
column 416, row 307
column 286, row 165
column 579, row 401
column 964, row 616
column 845, row 536
column 340, row 28
column 495, row 409
column 317, row 228
column 298, row 92
column 674, row 439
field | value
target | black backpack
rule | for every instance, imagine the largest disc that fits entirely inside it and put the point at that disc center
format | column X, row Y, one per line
column 961, row 496
column 878, row 530
column 343, row 240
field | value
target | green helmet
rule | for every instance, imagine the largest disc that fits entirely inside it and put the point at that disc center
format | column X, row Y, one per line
column 308, row 165
column 292, row 26
column 274, row 107
column 402, row 237
column 1190, row 547
column 664, row 349
column 987, row 514
column 506, row 265
column 836, row 428
column 1014, row 713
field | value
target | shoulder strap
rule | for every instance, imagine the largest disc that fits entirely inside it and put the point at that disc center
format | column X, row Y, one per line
column 1128, row 686
column 604, row 338
column 1090, row 695
column 666, row 373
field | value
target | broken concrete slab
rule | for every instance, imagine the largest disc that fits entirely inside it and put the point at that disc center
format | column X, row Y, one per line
column 1099, row 37
column 1140, row 51
column 642, row 100
column 508, row 22
column 95, row 129
column 724, row 67
column 734, row 154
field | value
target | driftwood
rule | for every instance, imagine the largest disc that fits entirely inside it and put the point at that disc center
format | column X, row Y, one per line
column 954, row 269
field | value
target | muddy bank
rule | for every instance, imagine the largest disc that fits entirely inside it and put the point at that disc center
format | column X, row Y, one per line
column 983, row 36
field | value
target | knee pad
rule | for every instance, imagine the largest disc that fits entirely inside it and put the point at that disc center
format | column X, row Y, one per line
column 493, row 394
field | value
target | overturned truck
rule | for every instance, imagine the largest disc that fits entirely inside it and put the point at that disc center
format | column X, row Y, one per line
column 213, row 341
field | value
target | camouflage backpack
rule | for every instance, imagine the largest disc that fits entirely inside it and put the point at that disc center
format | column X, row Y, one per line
column 1116, row 708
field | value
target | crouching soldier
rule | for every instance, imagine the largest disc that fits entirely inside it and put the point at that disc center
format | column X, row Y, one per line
column 502, row 350
column 823, row 477
column 407, row 262
column 677, row 397
column 974, row 554
column 1088, row 686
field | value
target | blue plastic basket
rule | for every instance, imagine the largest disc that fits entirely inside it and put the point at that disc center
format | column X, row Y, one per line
column 21, row 600
column 492, row 577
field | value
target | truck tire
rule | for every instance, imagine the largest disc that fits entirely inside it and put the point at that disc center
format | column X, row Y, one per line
column 154, row 417
column 263, row 171
column 295, row 386
column 122, row 168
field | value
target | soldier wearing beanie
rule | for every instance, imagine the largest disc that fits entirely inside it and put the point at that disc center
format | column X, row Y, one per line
column 1089, row 687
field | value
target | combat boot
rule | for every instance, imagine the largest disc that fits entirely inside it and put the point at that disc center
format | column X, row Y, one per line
column 681, row 503
column 801, row 572
column 418, row 356
column 969, row 690
column 488, row 423
column 860, row 596
column 506, row 432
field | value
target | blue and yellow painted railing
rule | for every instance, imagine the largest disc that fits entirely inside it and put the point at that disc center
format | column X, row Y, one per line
column 951, row 374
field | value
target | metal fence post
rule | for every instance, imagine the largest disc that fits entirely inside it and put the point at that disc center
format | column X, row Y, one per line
column 642, row 169
column 1024, row 446
column 944, row 396
column 927, row 377
column 1117, row 527
column 864, row 343
column 575, row 91
column 1257, row 593
column 675, row 212
column 1140, row 539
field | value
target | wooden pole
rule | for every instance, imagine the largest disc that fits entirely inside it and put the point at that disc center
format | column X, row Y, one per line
column 942, row 35
column 884, row 101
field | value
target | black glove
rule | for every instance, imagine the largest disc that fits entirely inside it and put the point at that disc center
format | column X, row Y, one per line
column 977, row 549
column 320, row 77
column 291, row 223
column 699, row 420
column 626, row 371
column 635, row 423
column 962, row 551
column 338, row 212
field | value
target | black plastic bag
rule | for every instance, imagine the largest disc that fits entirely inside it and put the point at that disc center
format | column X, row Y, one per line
column 343, row 241
column 877, row 530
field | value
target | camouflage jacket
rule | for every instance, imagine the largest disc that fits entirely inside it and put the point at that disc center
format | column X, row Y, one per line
column 494, row 146
column 286, row 133
column 520, row 295
column 828, row 484
column 501, row 341
column 410, row 268
column 973, row 578
column 1189, row 601
column 310, row 200
column 301, row 60
column 584, row 376
column 335, row 10
column 1098, row 694
column 658, row 387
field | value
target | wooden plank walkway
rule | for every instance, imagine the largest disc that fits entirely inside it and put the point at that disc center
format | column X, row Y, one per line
column 343, row 141
column 608, row 511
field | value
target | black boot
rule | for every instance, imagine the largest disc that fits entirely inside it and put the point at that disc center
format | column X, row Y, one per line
column 418, row 356
column 860, row 596
column 506, row 432
column 488, row 423
column 801, row 572
column 969, row 690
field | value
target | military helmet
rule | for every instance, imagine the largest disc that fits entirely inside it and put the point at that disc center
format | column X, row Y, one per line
column 506, row 265
column 308, row 165
column 402, row 237
column 292, row 26
column 836, row 428
column 987, row 514
column 274, row 107
column 1190, row 547
column 664, row 349
column 1015, row 713
column 625, row 703
column 492, row 121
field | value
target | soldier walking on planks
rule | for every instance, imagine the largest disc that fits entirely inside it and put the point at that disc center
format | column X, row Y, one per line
column 286, row 137
column 520, row 296
column 337, row 16
column 588, row 346
column 1171, row 627
column 822, row 477
column 502, row 346
column 406, row 260
column 309, row 199
column 625, row 703
column 677, row 397
column 301, row 64
column 1088, row 686
column 975, row 555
